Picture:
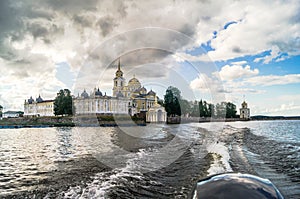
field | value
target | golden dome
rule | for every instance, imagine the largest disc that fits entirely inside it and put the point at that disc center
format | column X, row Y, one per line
column 133, row 81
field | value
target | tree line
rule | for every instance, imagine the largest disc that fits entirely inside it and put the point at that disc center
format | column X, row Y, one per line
column 176, row 105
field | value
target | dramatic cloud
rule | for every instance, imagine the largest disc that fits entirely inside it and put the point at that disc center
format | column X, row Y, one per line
column 228, row 72
column 36, row 35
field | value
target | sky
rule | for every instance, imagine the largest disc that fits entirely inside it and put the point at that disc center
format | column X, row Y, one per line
column 220, row 50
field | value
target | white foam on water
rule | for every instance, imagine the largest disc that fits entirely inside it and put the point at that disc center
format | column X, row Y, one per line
column 104, row 181
column 221, row 158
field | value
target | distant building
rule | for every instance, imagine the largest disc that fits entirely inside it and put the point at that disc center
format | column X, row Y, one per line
column 38, row 107
column 12, row 114
column 244, row 111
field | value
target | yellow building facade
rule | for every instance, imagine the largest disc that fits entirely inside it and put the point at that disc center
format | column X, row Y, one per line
column 38, row 107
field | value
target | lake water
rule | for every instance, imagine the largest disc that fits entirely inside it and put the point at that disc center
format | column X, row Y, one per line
column 155, row 161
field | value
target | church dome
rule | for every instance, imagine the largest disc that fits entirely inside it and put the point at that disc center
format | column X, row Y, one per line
column 151, row 92
column 39, row 99
column 134, row 84
column 30, row 100
column 133, row 81
column 98, row 92
column 84, row 94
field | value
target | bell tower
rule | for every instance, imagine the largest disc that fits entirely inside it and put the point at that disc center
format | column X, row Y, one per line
column 119, row 81
column 244, row 111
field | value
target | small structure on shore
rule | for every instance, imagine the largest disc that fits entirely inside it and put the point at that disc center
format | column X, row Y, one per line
column 13, row 114
column 156, row 113
column 244, row 111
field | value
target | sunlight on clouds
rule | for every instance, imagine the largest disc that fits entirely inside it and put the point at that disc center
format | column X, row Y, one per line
column 236, row 71
column 271, row 80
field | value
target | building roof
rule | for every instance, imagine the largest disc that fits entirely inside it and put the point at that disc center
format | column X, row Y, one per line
column 30, row 100
column 13, row 112
column 244, row 104
column 134, row 81
column 98, row 92
column 119, row 73
column 39, row 99
column 151, row 92
column 84, row 94
column 48, row 101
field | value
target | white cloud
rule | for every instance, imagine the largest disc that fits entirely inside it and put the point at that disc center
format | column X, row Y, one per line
column 239, row 63
column 274, row 54
column 270, row 80
column 233, row 72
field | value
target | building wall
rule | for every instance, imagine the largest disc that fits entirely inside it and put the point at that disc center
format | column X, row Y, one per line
column 102, row 105
column 244, row 113
column 156, row 115
column 39, row 109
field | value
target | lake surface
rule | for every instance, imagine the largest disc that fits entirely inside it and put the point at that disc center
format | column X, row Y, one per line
column 154, row 161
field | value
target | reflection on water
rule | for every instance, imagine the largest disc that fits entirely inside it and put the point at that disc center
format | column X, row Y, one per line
column 27, row 155
column 156, row 161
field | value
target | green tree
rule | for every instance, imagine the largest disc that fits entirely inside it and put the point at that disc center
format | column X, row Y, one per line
column 226, row 109
column 1, row 108
column 205, row 108
column 230, row 110
column 172, row 101
column 201, row 109
column 211, row 110
column 63, row 103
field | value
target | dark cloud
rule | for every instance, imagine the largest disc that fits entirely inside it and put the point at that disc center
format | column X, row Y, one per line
column 8, row 18
column 83, row 20
column 38, row 30
column 13, row 16
column 71, row 6
column 106, row 24
column 237, row 49
column 34, row 65
column 143, row 56
column 188, row 29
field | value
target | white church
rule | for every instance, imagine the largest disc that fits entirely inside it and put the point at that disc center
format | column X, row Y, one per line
column 131, row 98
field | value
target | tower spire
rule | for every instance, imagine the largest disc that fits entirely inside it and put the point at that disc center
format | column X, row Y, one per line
column 119, row 73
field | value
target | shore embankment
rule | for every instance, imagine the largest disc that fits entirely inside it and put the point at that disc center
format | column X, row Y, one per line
column 36, row 122
column 112, row 120
column 70, row 121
